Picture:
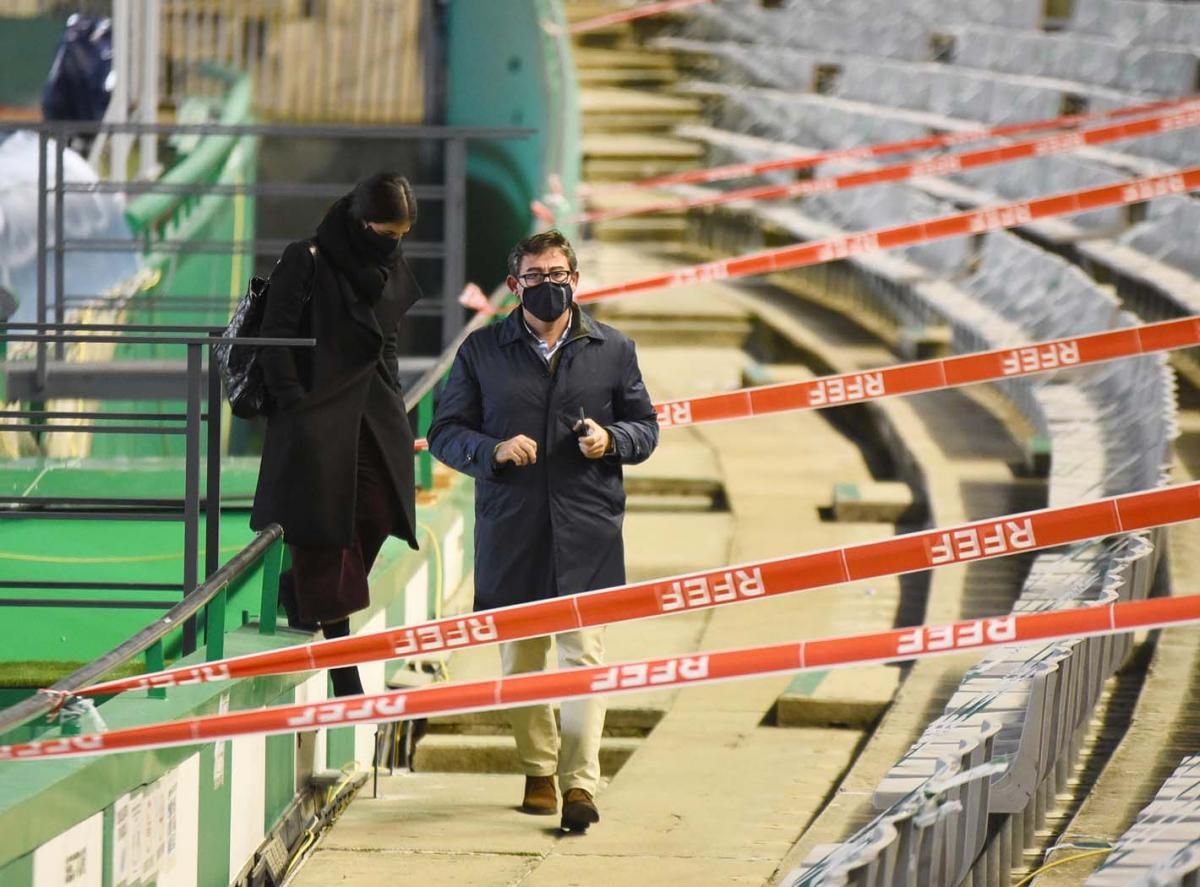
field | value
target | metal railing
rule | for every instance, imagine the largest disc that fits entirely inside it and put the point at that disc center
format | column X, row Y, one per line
column 199, row 424
column 210, row 597
column 156, row 216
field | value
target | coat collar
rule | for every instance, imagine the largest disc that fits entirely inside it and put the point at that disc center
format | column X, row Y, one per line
column 512, row 328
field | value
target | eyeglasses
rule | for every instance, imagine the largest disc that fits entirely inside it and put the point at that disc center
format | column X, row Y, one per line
column 533, row 278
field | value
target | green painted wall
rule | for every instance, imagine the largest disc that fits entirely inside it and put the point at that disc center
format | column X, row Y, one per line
column 43, row 799
column 506, row 70
column 27, row 46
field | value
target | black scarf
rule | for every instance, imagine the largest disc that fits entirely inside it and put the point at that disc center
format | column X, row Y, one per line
column 366, row 259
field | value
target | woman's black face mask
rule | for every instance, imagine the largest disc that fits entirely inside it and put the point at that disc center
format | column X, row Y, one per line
column 547, row 301
column 379, row 247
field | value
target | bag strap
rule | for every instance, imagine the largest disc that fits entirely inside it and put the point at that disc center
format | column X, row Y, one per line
column 312, row 281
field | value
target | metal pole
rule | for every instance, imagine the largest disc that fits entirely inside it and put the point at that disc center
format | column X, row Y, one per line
column 148, row 103
column 454, row 271
column 191, row 488
column 212, row 489
column 42, row 231
column 214, row 612
column 60, row 228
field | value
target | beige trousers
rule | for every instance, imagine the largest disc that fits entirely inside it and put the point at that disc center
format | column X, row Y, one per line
column 577, row 762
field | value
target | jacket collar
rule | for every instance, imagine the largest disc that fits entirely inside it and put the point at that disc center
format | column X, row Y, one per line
column 512, row 328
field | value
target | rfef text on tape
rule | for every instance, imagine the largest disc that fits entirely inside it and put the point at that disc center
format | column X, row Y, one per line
column 910, row 552
column 896, row 645
column 883, row 149
column 1007, row 215
column 926, row 375
column 930, row 375
column 945, row 164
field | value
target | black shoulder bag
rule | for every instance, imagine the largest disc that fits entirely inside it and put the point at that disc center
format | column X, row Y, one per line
column 241, row 374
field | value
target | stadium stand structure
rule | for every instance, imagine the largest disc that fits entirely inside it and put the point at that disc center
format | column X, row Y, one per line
column 965, row 803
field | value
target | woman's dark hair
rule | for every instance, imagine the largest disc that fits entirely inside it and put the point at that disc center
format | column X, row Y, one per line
column 538, row 244
column 384, row 197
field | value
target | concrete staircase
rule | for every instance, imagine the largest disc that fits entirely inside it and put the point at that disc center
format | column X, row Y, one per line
column 630, row 112
column 482, row 743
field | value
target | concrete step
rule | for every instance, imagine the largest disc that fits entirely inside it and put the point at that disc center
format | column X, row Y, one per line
column 883, row 501
column 851, row 698
column 452, row 753
column 646, row 78
column 675, row 504
column 680, row 467
column 659, row 545
column 622, row 169
column 634, row 111
column 641, row 230
column 581, row 10
column 634, row 146
column 620, row 722
column 623, row 121
column 590, row 59
column 700, row 332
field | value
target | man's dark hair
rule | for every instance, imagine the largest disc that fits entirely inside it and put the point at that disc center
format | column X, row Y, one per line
column 538, row 244
column 384, row 197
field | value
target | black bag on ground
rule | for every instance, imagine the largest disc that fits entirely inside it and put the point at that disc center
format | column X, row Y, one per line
column 241, row 375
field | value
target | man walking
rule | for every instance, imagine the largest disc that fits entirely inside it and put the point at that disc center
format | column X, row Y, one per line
column 542, row 409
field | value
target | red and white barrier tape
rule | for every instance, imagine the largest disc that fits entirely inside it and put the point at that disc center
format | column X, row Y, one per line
column 896, row 645
column 907, row 553
column 1008, row 215
column 945, row 164
column 926, row 375
column 931, row 375
column 637, row 12
column 883, row 149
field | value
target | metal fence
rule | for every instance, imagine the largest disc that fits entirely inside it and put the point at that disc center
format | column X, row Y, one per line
column 156, row 222
column 200, row 426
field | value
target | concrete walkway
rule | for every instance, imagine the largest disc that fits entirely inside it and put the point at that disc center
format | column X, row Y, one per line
column 711, row 795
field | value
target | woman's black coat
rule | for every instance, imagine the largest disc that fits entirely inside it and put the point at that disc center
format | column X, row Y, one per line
column 322, row 394
column 554, row 527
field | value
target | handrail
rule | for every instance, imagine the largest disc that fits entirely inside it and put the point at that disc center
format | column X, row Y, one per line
column 43, row 703
column 433, row 375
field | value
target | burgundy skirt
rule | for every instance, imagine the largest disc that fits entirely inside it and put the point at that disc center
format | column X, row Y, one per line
column 326, row 584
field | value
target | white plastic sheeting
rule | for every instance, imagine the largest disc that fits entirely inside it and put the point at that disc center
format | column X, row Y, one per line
column 86, row 216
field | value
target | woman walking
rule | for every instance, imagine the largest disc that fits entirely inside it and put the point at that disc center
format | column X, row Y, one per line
column 337, row 462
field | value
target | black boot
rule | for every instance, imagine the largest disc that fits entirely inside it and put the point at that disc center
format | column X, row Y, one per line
column 346, row 681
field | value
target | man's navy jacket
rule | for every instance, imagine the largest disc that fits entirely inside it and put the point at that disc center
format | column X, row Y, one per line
column 554, row 527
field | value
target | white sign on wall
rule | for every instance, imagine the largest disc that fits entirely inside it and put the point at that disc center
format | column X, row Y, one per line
column 154, row 830
column 74, row 858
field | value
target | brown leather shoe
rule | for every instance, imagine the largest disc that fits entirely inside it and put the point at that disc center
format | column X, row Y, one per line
column 579, row 810
column 540, row 797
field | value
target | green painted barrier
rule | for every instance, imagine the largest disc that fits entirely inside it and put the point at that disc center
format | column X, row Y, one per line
column 216, row 801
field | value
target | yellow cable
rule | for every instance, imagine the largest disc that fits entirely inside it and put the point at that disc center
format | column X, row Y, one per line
column 114, row 559
column 1063, row 861
column 309, row 839
column 438, row 568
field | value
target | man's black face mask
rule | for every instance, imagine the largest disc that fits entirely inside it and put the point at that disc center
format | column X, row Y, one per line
column 547, row 301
